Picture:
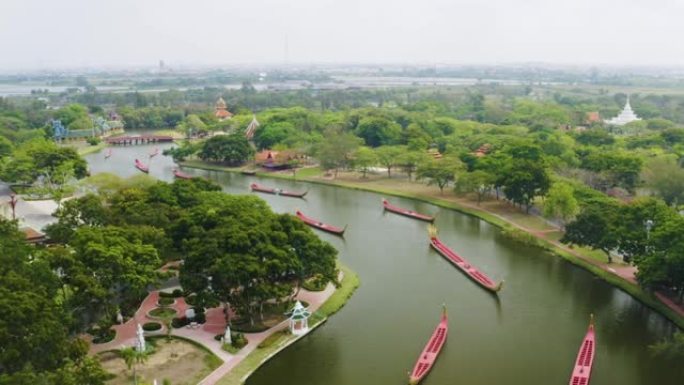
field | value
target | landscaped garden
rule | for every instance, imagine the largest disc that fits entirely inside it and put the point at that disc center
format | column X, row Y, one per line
column 175, row 360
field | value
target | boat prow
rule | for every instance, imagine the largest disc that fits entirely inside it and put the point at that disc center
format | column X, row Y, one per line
column 407, row 213
column 320, row 225
column 585, row 357
column 431, row 351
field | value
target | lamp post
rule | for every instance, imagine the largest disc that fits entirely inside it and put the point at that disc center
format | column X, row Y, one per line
column 649, row 225
column 13, row 203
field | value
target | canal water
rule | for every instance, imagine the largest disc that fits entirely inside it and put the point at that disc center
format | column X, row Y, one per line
column 529, row 334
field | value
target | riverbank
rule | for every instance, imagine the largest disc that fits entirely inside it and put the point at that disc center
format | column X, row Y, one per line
column 262, row 354
column 514, row 223
column 91, row 149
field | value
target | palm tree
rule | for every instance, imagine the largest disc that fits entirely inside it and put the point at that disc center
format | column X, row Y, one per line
column 132, row 357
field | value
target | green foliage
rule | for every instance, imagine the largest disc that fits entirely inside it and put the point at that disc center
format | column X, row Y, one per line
column 595, row 227
column 670, row 349
column 479, row 182
column 389, row 156
column 378, row 131
column 40, row 157
column 364, row 159
column 665, row 177
column 337, row 150
column 233, row 149
column 560, row 202
column 439, row 172
column 151, row 326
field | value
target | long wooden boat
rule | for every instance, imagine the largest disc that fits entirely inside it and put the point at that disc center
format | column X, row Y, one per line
column 140, row 166
column 475, row 274
column 276, row 191
column 154, row 152
column 181, row 175
column 108, row 154
column 320, row 225
column 585, row 358
column 409, row 213
column 248, row 172
column 429, row 354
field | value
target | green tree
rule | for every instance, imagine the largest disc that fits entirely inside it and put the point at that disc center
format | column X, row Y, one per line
column 336, row 150
column 439, row 172
column 479, row 182
column 561, row 203
column 389, row 156
column 410, row 160
column 594, row 227
column 378, row 131
column 233, row 149
column 365, row 159
column 133, row 357
column 666, row 178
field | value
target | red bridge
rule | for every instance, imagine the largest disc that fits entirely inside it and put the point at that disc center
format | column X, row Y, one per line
column 140, row 139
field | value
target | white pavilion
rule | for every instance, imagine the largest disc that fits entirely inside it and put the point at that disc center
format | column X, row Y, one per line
column 299, row 320
column 626, row 116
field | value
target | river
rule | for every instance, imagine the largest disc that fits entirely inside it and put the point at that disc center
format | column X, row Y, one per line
column 529, row 334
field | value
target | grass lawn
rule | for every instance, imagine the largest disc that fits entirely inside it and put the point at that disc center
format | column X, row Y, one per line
column 178, row 360
column 163, row 312
column 91, row 149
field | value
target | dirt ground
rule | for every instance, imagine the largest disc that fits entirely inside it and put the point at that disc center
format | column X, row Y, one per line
column 178, row 361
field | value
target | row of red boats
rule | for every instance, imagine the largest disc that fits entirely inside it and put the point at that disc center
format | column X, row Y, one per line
column 581, row 373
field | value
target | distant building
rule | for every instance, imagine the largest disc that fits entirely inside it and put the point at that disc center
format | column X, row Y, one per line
column 222, row 110
column 626, row 116
column 592, row 117
column 101, row 128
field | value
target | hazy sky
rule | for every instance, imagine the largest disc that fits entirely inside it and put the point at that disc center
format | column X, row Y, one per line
column 77, row 33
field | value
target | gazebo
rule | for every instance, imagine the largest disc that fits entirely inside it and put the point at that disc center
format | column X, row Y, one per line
column 299, row 319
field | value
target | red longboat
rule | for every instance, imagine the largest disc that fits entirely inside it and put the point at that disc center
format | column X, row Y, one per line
column 276, row 191
column 585, row 358
column 475, row 274
column 181, row 175
column 411, row 214
column 108, row 154
column 320, row 225
column 140, row 166
column 431, row 351
column 154, row 152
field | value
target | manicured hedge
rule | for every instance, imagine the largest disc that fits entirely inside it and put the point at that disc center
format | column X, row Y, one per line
column 151, row 326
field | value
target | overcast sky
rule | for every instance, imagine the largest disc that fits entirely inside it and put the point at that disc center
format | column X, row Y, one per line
column 77, row 33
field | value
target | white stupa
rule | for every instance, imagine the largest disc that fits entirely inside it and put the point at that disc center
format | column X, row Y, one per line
column 626, row 116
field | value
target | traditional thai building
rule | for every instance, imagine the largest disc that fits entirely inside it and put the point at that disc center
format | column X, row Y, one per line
column 626, row 116
column 222, row 110
column 101, row 128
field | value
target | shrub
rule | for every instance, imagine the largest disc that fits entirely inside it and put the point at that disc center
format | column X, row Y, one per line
column 93, row 141
column 103, row 336
column 270, row 340
column 163, row 294
column 151, row 326
column 162, row 312
column 190, row 299
column 316, row 283
column 179, row 322
column 238, row 340
column 177, row 293
column 164, row 301
column 200, row 318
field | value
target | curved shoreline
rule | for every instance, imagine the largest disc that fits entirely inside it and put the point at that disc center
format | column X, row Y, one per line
column 648, row 299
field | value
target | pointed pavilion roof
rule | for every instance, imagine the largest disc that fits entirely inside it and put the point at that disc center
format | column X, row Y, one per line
column 299, row 312
column 626, row 116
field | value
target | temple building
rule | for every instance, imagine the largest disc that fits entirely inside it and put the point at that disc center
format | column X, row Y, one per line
column 100, row 128
column 626, row 116
column 222, row 110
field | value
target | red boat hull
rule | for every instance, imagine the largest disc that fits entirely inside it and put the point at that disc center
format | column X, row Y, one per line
column 408, row 213
column 275, row 191
column 320, row 225
column 585, row 359
column 141, row 166
column 464, row 266
column 429, row 354
column 181, row 175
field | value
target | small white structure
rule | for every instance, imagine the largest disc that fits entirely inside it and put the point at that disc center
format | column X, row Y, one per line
column 299, row 319
column 226, row 336
column 626, row 116
column 140, row 341
column 252, row 127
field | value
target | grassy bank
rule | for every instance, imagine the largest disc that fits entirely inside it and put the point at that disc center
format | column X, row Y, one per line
column 239, row 374
column 91, row 149
column 634, row 290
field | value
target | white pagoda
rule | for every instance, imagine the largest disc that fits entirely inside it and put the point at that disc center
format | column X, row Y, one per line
column 626, row 116
column 299, row 319
column 251, row 128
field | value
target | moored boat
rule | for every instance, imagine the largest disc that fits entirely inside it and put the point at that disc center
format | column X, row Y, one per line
column 585, row 357
column 154, row 152
column 181, row 175
column 108, row 154
column 140, row 166
column 472, row 272
column 248, row 172
column 276, row 191
column 320, row 225
column 409, row 213
column 429, row 354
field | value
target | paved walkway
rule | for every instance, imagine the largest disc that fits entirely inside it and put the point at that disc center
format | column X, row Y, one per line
column 204, row 334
